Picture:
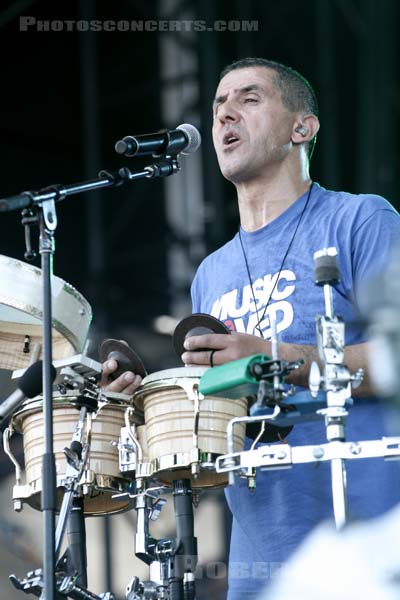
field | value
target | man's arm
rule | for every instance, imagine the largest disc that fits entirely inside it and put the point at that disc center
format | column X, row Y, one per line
column 238, row 345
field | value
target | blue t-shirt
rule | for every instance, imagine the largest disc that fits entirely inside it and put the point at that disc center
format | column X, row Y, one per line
column 270, row 523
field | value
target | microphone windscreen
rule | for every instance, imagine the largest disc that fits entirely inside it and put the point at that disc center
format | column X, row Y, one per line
column 31, row 381
column 193, row 136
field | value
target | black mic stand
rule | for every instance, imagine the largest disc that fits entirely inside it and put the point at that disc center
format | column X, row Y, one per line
column 44, row 215
column 48, row 224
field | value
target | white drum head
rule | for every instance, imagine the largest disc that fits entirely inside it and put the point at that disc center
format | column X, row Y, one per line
column 21, row 314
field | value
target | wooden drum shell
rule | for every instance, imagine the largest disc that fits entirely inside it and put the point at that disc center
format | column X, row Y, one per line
column 101, row 474
column 168, row 402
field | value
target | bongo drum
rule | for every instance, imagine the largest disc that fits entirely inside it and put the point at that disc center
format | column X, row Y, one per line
column 101, row 478
column 185, row 431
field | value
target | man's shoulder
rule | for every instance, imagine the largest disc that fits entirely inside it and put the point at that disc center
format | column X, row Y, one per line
column 348, row 201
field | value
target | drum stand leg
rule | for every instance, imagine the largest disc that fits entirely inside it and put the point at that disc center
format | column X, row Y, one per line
column 181, row 578
column 76, row 552
column 176, row 560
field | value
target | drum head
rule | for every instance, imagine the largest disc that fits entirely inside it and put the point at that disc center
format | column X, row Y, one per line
column 21, row 315
column 165, row 379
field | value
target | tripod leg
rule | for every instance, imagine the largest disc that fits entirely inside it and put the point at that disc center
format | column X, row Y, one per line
column 76, row 532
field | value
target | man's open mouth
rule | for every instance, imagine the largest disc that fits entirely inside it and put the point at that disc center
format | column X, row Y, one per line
column 230, row 139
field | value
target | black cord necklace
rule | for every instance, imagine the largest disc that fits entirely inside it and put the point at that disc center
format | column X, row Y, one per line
column 259, row 319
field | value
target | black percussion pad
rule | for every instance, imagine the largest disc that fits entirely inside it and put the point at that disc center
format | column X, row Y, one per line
column 126, row 358
column 196, row 324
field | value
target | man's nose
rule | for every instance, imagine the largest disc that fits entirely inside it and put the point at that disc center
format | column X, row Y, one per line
column 227, row 112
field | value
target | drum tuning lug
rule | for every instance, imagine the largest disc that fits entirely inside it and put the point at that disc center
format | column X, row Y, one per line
column 195, row 470
column 18, row 505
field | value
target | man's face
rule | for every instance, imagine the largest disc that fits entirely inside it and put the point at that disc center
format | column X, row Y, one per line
column 252, row 129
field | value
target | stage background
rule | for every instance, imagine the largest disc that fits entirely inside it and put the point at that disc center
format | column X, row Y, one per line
column 69, row 93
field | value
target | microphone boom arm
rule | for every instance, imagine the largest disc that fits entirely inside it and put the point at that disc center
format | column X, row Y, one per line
column 164, row 168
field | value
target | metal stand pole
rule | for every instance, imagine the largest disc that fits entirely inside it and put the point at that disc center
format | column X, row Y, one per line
column 181, row 581
column 336, row 380
column 76, row 531
column 107, row 540
column 339, row 492
column 335, row 433
column 48, row 224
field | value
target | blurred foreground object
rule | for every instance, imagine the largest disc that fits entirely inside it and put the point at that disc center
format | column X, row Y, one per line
column 379, row 300
column 361, row 561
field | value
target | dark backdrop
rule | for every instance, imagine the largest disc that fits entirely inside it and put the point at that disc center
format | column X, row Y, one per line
column 67, row 96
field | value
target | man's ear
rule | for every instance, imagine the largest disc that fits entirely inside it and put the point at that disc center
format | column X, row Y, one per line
column 305, row 129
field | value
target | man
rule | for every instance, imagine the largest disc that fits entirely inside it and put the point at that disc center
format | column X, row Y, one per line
column 265, row 124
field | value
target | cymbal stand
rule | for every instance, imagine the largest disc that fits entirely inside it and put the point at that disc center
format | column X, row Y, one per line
column 336, row 380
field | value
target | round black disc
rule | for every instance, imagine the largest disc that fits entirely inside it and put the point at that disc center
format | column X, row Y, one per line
column 126, row 358
column 196, row 324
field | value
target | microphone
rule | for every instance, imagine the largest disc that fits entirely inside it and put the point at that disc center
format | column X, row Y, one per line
column 185, row 138
column 30, row 385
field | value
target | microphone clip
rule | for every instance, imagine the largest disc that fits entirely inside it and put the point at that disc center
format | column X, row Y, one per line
column 163, row 168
